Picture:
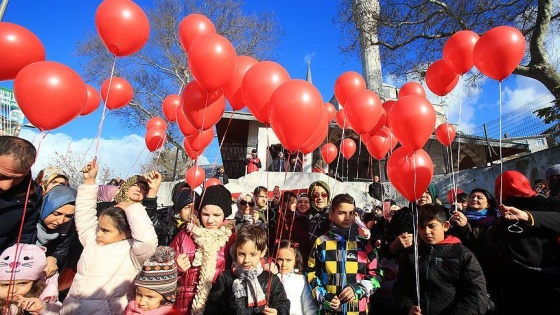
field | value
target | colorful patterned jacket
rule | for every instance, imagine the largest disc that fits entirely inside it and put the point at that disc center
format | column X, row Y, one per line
column 335, row 263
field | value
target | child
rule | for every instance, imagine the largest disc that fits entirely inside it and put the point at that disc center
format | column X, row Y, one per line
column 451, row 279
column 156, row 285
column 115, row 247
column 243, row 288
column 21, row 273
column 203, row 251
column 342, row 268
column 291, row 274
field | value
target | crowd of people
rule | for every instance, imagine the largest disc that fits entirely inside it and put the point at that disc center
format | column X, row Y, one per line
column 108, row 249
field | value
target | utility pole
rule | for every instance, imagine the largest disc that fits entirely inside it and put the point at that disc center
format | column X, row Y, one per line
column 3, row 6
column 175, row 165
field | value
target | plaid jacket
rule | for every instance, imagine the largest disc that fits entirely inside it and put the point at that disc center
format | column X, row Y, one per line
column 335, row 263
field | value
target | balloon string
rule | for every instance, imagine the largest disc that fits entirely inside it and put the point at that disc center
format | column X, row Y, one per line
column 415, row 232
column 449, row 150
column 501, row 161
column 338, row 159
column 222, row 142
column 358, row 159
column 461, row 80
column 135, row 161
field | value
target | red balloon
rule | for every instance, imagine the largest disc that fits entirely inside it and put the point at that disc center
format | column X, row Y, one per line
column 211, row 61
column 201, row 139
column 232, row 88
column 346, row 84
column 458, row 51
column 93, row 100
column 379, row 144
column 195, row 176
column 118, row 95
column 410, row 172
column 412, row 88
column 190, row 152
column 412, row 121
column 49, row 94
column 20, row 47
column 331, row 111
column 445, row 133
column 380, row 124
column 193, row 26
column 187, row 129
column 156, row 123
column 451, row 194
column 440, row 78
column 329, row 152
column 292, row 106
column 259, row 83
column 512, row 184
column 363, row 110
column 499, row 51
column 318, row 136
column 122, row 26
column 388, row 106
column 170, row 105
column 347, row 148
column 212, row 182
column 155, row 138
column 341, row 119
column 202, row 109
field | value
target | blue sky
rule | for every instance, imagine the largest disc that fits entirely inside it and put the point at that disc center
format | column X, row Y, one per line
column 308, row 33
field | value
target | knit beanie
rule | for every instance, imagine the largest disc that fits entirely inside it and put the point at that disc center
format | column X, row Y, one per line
column 552, row 170
column 52, row 172
column 159, row 273
column 122, row 193
column 184, row 197
column 28, row 264
column 401, row 222
column 57, row 197
column 216, row 195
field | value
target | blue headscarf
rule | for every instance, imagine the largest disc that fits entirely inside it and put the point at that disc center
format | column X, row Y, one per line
column 57, row 197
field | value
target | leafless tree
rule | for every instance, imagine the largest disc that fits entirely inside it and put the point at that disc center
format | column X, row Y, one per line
column 412, row 33
column 72, row 163
column 160, row 68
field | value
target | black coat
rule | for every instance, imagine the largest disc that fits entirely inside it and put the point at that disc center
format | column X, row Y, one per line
column 164, row 224
column 12, row 204
column 222, row 300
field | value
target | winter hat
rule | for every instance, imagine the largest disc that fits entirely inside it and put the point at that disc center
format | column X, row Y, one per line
column 28, row 264
column 184, row 197
column 513, row 184
column 105, row 193
column 552, row 170
column 159, row 273
column 57, row 197
column 401, row 222
column 319, row 183
column 433, row 191
column 52, row 172
column 217, row 195
column 122, row 193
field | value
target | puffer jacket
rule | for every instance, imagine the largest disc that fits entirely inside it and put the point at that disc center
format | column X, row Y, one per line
column 188, row 280
column 222, row 300
column 103, row 282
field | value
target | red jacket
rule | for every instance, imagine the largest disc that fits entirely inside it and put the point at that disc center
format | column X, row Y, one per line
column 253, row 164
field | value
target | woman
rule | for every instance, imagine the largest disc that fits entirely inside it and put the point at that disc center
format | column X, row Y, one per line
column 303, row 204
column 246, row 212
column 51, row 177
column 318, row 215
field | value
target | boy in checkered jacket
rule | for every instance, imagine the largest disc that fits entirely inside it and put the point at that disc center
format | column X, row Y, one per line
column 343, row 268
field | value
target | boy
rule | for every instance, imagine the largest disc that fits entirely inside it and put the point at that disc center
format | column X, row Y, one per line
column 451, row 280
column 342, row 267
column 243, row 289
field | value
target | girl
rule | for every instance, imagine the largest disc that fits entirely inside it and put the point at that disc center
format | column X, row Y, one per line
column 22, row 282
column 156, row 285
column 291, row 274
column 203, row 251
column 115, row 247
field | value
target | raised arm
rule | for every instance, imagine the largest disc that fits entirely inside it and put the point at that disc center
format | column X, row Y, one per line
column 144, row 238
column 86, row 203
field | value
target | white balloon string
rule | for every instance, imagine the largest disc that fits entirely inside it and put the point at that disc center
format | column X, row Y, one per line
column 415, row 234
column 458, row 129
column 358, row 159
column 104, row 114
column 339, row 157
column 501, row 158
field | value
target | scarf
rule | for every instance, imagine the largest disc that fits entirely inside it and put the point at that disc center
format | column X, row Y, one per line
column 240, row 217
column 344, row 234
column 479, row 218
column 45, row 236
column 247, row 281
column 132, row 308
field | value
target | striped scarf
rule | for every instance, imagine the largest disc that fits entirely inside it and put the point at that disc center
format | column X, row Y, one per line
column 247, row 281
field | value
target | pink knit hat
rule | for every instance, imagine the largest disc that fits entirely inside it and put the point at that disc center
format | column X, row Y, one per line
column 28, row 265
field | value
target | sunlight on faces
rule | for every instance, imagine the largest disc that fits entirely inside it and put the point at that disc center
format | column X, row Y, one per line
column 60, row 217
column 188, row 214
column 18, row 287
column 246, row 207
column 320, row 197
column 148, row 299
column 433, row 232
column 291, row 205
column 286, row 260
column 426, row 198
column 262, row 199
column 59, row 180
column 248, row 256
column 10, row 173
column 343, row 216
column 477, row 201
column 211, row 216
column 137, row 192
column 303, row 204
column 107, row 232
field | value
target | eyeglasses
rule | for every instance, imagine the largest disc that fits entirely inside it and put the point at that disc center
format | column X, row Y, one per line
column 245, row 202
column 317, row 195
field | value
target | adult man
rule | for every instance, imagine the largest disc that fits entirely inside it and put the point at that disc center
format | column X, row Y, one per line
column 221, row 175
column 279, row 163
column 253, row 162
column 552, row 175
column 376, row 189
column 16, row 184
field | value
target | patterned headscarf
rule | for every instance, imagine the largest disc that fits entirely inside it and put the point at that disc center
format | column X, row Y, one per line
column 122, row 193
